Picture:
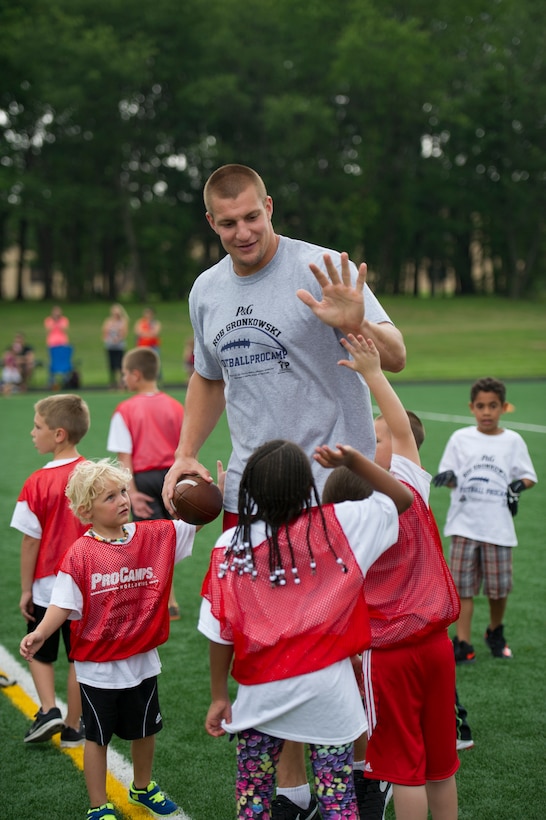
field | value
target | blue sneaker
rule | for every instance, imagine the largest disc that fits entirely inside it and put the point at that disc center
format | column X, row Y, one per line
column 104, row 812
column 153, row 799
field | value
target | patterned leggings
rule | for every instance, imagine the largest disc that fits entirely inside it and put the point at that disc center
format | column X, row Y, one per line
column 257, row 758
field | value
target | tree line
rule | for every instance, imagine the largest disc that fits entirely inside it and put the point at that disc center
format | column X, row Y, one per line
column 409, row 133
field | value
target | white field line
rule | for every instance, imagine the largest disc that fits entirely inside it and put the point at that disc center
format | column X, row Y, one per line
column 468, row 420
column 119, row 768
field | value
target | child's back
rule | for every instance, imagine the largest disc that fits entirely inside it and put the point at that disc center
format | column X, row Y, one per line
column 409, row 671
column 409, row 589
column 144, row 433
column 284, row 596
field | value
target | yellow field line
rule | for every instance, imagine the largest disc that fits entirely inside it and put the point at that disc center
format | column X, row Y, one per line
column 116, row 791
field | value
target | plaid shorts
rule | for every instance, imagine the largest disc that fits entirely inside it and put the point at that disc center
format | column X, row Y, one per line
column 473, row 562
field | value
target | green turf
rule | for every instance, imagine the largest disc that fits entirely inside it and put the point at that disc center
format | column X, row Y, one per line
column 446, row 338
column 501, row 779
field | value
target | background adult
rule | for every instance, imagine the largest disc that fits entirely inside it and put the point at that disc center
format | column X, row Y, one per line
column 148, row 330
column 24, row 359
column 114, row 335
column 267, row 324
column 58, row 344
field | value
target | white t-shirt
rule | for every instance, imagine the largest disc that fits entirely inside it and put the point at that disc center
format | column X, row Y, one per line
column 413, row 474
column 484, row 465
column 122, row 674
column 119, row 437
column 323, row 706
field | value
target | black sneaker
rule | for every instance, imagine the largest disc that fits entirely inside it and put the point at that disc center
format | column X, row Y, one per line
column 72, row 738
column 464, row 652
column 283, row 809
column 372, row 796
column 496, row 642
column 45, row 726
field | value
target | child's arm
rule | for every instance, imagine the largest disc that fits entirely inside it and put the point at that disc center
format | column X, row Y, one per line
column 220, row 656
column 380, row 479
column 221, row 476
column 29, row 556
column 367, row 362
column 53, row 620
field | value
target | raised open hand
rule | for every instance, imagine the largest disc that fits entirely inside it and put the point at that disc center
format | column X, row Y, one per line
column 342, row 303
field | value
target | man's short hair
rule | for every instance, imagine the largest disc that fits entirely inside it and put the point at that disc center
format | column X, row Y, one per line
column 228, row 181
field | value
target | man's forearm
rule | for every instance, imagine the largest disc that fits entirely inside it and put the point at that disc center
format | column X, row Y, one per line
column 203, row 407
column 389, row 342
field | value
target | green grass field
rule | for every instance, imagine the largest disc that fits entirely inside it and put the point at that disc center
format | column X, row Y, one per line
column 445, row 338
column 501, row 779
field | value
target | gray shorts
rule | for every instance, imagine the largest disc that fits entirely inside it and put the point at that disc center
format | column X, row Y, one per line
column 475, row 562
column 131, row 714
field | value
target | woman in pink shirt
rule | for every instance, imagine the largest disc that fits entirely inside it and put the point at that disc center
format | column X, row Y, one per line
column 58, row 344
column 56, row 326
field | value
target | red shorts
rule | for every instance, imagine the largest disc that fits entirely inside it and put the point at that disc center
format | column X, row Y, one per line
column 230, row 520
column 410, row 693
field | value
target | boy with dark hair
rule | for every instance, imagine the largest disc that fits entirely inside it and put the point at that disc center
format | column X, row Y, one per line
column 486, row 467
column 144, row 433
column 49, row 527
column 114, row 582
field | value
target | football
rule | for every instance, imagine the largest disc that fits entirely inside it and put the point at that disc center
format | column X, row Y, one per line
column 195, row 500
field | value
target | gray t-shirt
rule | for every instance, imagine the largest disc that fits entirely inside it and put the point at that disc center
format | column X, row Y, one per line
column 277, row 360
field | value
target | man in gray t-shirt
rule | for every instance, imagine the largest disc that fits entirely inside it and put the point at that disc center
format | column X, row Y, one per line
column 267, row 323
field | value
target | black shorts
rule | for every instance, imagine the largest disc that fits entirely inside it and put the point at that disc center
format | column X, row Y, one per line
column 131, row 714
column 49, row 651
column 151, row 483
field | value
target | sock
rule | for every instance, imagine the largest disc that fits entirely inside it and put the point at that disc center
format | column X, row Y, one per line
column 358, row 766
column 299, row 795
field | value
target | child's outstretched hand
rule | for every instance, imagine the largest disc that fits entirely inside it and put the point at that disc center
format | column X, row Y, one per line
column 219, row 710
column 342, row 456
column 366, row 359
column 220, row 476
column 30, row 645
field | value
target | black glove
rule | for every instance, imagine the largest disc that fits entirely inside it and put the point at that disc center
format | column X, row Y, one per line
column 512, row 495
column 447, row 479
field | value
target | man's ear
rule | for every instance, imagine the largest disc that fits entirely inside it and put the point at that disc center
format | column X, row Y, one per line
column 210, row 220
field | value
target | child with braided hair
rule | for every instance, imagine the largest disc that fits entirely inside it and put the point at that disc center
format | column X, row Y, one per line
column 284, row 607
